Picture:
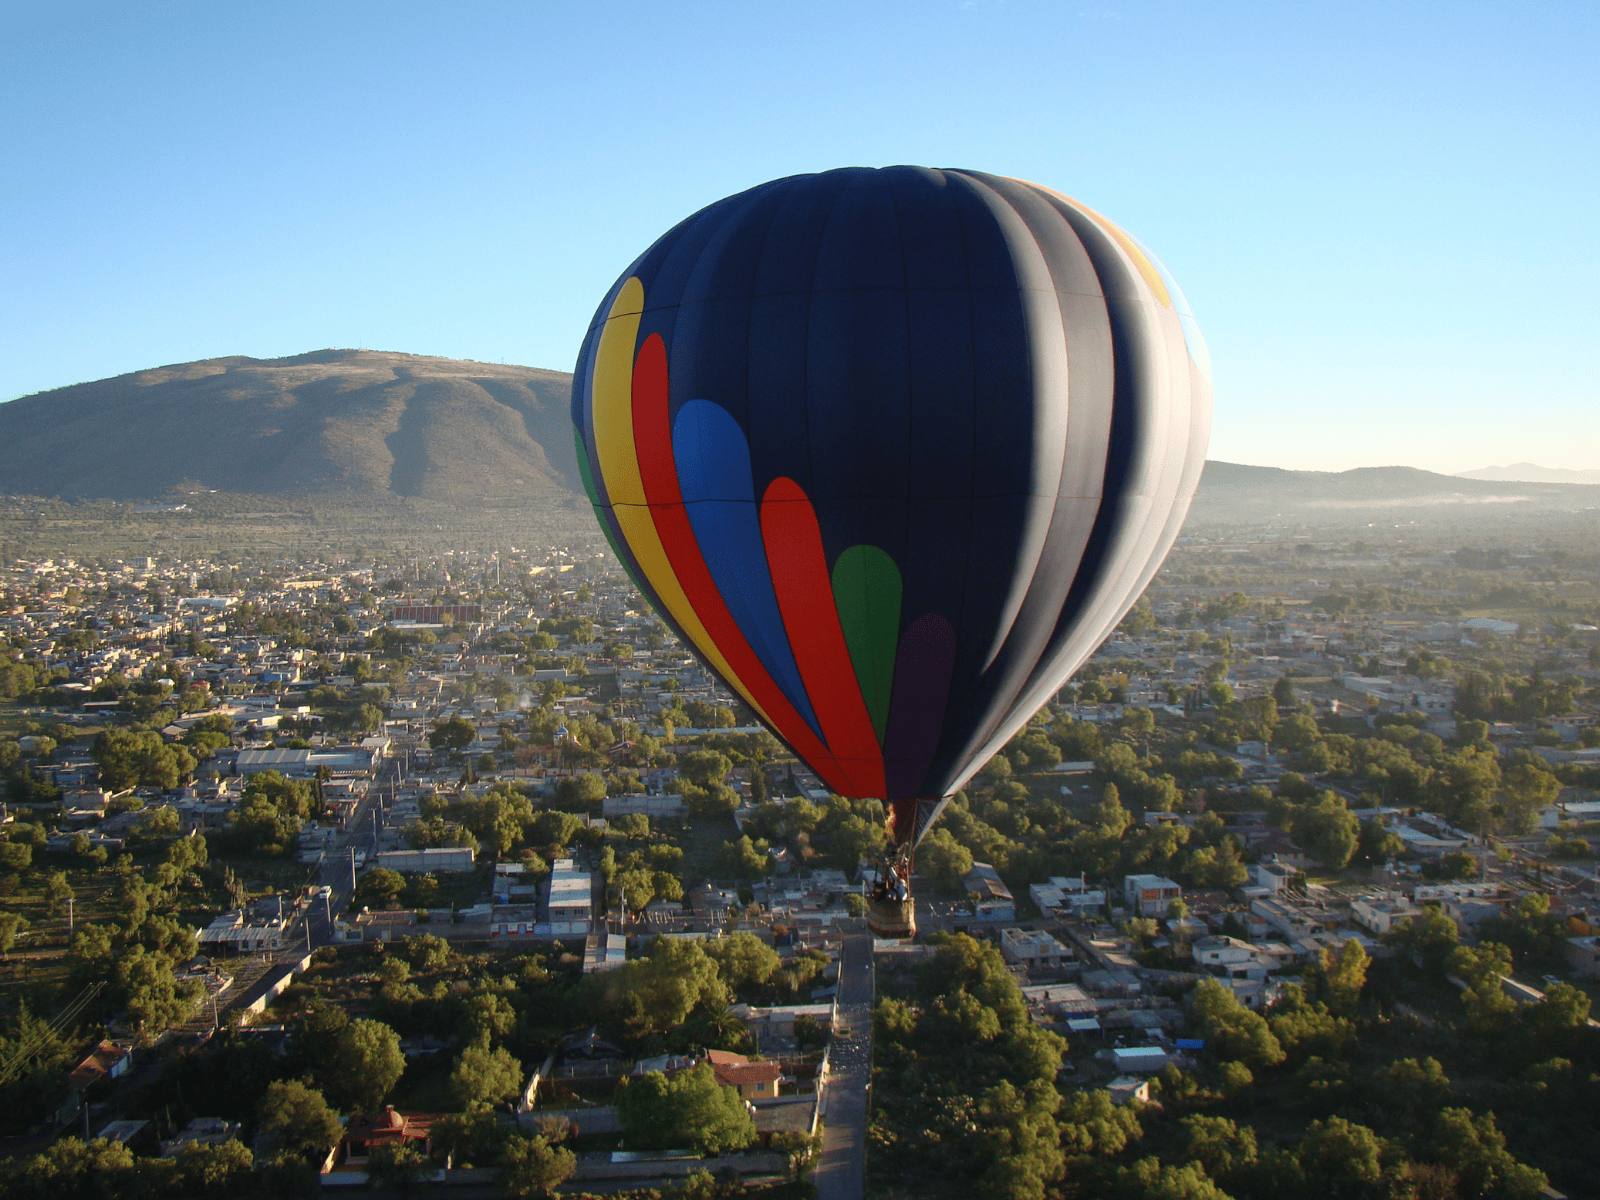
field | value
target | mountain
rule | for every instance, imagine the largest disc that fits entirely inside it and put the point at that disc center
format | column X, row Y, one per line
column 360, row 423
column 371, row 425
column 1232, row 492
column 1525, row 472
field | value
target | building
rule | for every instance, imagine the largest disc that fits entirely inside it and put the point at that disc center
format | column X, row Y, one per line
column 1583, row 956
column 1150, row 895
column 1035, row 951
column 570, row 891
column 1292, row 924
column 1239, row 965
column 1273, row 876
column 439, row 859
column 990, row 898
column 1065, row 894
column 754, row 1080
column 365, row 1132
column 1379, row 915
column 653, row 807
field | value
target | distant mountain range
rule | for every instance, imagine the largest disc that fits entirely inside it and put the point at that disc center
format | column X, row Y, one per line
column 357, row 422
column 1230, row 492
column 372, row 424
column 1526, row 472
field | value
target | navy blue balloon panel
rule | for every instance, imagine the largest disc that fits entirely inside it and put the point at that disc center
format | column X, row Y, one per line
column 893, row 451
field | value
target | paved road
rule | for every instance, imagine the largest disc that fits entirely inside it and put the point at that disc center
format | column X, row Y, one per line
column 841, row 1169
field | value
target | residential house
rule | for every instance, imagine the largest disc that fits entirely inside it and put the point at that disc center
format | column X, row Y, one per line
column 990, row 898
column 1150, row 895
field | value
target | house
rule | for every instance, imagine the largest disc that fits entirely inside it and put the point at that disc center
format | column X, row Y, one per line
column 990, row 898
column 1035, row 951
column 1125, row 1089
column 1065, row 894
column 754, row 1080
column 365, row 1132
column 106, row 1061
column 1239, row 965
column 1149, row 895
column 1291, row 922
column 1583, row 956
column 1380, row 915
column 569, row 892
column 1273, row 876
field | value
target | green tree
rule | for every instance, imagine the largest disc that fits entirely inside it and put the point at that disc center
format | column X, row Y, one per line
column 299, row 1119
column 658, row 991
column 531, row 1166
column 1327, row 830
column 689, row 1111
column 57, row 893
column 425, row 952
column 485, row 1076
column 452, row 734
column 743, row 959
column 365, row 1064
column 945, row 860
column 1475, row 1149
column 1345, row 976
column 11, row 924
column 1230, row 1029
column 380, row 885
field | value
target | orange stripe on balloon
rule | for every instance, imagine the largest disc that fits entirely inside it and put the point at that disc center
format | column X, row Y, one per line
column 805, row 598
column 652, row 431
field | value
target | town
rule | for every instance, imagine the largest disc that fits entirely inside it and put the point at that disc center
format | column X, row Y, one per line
column 459, row 870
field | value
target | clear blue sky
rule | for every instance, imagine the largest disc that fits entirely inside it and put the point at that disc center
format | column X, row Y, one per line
column 1384, row 214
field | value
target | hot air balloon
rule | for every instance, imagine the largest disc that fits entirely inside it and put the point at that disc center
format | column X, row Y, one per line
column 893, row 451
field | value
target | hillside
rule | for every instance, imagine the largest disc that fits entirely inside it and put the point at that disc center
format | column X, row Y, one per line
column 358, row 423
column 1232, row 492
column 366, row 426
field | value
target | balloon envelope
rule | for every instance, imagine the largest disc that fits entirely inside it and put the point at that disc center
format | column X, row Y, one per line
column 893, row 450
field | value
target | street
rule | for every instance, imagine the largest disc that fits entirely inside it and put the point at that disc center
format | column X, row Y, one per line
column 841, row 1168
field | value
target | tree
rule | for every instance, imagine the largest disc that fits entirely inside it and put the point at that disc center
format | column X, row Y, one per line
column 130, row 758
column 1327, row 830
column 743, row 959
column 11, row 924
column 1475, row 1150
column 740, row 859
column 1530, row 789
column 531, row 1166
column 381, row 885
column 299, row 1119
column 944, row 859
column 153, row 997
column 1341, row 1160
column 659, row 991
column 395, row 1168
column 425, row 952
column 1429, row 940
column 1346, row 975
column 1481, row 968
column 365, row 1064
column 689, row 1111
column 1283, row 692
column 453, row 735
column 1230, row 1029
column 485, row 1076
column 57, row 893
column 1221, row 1147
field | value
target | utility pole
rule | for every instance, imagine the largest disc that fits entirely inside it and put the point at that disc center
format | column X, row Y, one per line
column 69, row 916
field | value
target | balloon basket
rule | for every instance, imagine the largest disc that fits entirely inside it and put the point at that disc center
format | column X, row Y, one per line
column 892, row 918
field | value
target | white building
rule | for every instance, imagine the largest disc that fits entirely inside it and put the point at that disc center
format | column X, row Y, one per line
column 1378, row 914
column 570, row 892
column 438, row 859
